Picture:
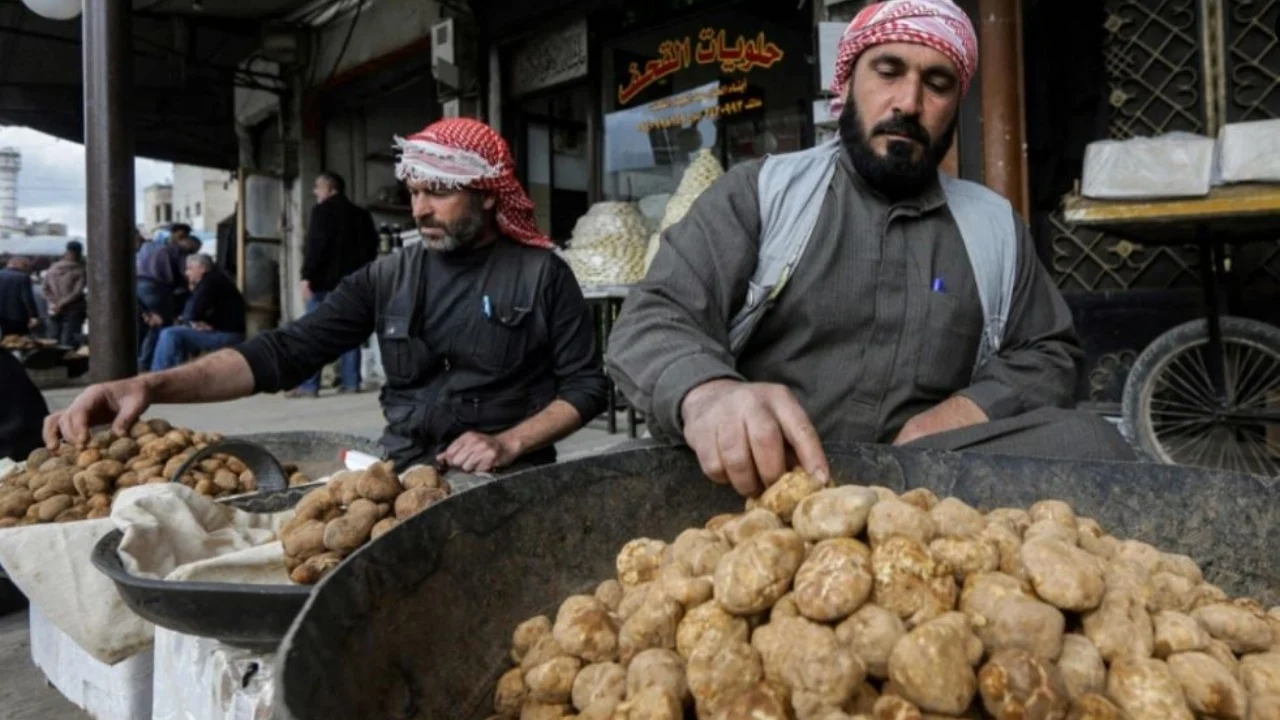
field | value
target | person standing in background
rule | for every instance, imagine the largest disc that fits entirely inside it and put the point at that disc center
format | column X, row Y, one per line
column 18, row 311
column 162, row 287
column 63, row 289
column 341, row 239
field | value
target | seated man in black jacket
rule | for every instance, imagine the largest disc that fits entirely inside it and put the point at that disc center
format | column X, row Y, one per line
column 213, row 318
column 488, row 345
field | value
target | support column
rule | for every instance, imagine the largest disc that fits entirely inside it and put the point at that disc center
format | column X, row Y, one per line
column 108, row 140
column 1003, row 112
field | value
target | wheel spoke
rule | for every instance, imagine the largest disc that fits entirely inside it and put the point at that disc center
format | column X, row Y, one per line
column 1273, row 381
column 1200, row 372
column 1248, row 366
column 1172, row 378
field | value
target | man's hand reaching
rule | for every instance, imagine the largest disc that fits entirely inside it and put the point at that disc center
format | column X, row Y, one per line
column 746, row 434
column 120, row 403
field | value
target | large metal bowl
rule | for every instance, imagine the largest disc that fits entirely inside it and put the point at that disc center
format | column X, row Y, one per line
column 250, row 616
column 418, row 624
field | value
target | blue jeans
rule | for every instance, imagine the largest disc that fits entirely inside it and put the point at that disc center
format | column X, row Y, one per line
column 350, row 360
column 156, row 298
column 177, row 344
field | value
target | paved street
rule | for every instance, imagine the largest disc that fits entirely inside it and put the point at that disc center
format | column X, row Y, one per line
column 23, row 692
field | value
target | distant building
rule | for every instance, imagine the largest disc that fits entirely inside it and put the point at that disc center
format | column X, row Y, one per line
column 202, row 197
column 157, row 208
column 45, row 227
column 10, row 166
column 12, row 226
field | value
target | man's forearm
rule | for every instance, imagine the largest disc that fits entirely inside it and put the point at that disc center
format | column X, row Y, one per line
column 223, row 375
column 552, row 423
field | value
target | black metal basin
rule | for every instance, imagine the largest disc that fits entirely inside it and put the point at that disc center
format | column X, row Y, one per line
column 250, row 616
column 418, row 624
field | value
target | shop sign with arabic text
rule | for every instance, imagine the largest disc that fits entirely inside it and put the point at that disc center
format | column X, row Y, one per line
column 744, row 55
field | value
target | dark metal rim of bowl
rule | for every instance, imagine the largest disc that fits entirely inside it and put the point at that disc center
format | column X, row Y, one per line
column 1177, row 509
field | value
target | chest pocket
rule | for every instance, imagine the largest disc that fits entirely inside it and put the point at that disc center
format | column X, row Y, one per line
column 406, row 359
column 952, row 330
column 507, row 331
column 506, row 338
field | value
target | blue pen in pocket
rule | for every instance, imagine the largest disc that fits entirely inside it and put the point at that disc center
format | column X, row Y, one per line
column 488, row 307
column 939, row 286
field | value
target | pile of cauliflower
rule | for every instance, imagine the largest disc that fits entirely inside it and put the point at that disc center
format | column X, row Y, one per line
column 856, row 603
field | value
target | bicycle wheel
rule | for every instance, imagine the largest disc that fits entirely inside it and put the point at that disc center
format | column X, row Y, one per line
column 1171, row 415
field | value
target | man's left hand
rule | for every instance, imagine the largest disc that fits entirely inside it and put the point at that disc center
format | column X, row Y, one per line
column 477, row 452
column 952, row 414
column 201, row 326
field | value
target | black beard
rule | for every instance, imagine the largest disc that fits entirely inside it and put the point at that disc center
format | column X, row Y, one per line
column 460, row 234
column 899, row 173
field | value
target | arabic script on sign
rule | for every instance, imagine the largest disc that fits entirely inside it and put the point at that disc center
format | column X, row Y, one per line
column 689, row 119
column 743, row 55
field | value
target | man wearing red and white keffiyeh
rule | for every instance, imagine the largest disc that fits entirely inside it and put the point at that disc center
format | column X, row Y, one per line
column 487, row 344
column 465, row 154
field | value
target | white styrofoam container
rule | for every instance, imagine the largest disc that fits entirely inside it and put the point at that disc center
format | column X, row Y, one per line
column 200, row 678
column 107, row 692
column 1169, row 166
column 1250, row 151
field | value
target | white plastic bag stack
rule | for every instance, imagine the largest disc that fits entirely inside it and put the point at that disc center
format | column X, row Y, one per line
column 1250, row 152
column 1168, row 166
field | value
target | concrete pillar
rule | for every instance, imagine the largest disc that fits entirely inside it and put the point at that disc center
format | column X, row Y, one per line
column 1003, row 115
column 108, row 141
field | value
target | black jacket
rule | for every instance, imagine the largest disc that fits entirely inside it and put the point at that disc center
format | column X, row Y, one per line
column 217, row 301
column 340, row 240
column 454, row 362
column 17, row 302
column 22, row 411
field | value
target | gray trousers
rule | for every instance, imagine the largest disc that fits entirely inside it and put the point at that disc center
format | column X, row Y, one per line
column 1051, row 433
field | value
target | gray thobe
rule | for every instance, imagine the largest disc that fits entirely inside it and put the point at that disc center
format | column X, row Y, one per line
column 880, row 321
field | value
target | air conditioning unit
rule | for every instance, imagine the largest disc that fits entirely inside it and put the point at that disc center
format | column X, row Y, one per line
column 451, row 53
column 451, row 108
column 443, row 40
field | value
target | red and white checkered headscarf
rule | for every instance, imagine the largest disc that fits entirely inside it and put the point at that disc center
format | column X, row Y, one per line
column 938, row 24
column 464, row 153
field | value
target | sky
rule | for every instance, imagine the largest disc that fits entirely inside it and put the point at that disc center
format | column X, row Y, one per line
column 51, row 185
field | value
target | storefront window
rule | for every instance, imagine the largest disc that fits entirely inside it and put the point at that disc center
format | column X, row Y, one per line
column 735, row 81
column 554, row 148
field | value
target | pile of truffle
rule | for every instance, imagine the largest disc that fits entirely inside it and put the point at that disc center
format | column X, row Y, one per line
column 855, row 603
column 80, row 483
column 353, row 508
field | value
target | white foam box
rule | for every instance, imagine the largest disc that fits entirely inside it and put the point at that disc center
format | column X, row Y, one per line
column 107, row 692
column 1169, row 166
column 200, row 678
column 1250, row 151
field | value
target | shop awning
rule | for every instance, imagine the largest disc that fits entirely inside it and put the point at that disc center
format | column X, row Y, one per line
column 187, row 57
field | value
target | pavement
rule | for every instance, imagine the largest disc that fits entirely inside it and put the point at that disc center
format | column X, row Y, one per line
column 24, row 694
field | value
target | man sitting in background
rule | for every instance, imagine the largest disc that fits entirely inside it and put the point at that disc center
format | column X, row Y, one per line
column 63, row 289
column 341, row 239
column 18, row 311
column 213, row 318
column 160, row 283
